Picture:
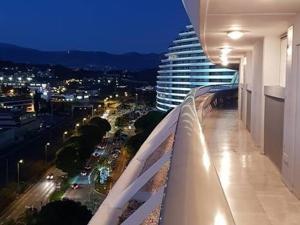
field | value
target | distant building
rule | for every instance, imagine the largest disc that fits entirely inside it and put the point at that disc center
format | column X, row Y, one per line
column 15, row 124
column 17, row 103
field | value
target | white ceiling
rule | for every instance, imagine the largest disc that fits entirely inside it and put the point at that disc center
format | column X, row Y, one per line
column 258, row 18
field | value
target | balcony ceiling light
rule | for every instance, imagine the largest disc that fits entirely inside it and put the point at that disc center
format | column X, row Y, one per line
column 235, row 35
column 225, row 50
column 225, row 63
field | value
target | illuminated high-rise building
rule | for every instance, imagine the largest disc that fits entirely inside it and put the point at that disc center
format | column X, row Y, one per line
column 185, row 67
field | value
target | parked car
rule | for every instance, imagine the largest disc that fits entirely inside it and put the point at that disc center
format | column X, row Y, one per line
column 84, row 173
column 75, row 186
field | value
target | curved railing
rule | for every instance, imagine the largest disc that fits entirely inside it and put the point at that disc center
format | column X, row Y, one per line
column 192, row 194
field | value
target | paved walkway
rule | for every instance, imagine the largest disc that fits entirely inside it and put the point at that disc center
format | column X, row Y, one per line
column 252, row 184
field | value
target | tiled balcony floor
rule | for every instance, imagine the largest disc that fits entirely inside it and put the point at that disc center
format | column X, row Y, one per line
column 252, row 184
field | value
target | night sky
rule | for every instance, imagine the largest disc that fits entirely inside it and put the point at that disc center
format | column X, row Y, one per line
column 115, row 26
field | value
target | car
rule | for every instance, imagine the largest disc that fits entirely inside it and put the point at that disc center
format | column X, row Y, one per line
column 83, row 173
column 30, row 207
column 58, row 185
column 88, row 167
column 50, row 176
column 96, row 154
column 75, row 186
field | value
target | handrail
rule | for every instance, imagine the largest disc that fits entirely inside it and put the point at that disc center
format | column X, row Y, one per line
column 193, row 194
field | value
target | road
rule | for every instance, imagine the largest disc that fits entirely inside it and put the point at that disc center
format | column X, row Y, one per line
column 36, row 196
column 86, row 193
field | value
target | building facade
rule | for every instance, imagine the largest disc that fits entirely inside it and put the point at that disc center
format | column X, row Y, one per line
column 185, row 67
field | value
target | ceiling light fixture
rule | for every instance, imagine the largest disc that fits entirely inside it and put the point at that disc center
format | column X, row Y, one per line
column 224, row 60
column 225, row 50
column 235, row 35
column 225, row 63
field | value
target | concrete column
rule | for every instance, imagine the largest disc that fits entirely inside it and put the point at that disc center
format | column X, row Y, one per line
column 247, row 68
column 290, row 111
column 241, row 89
column 291, row 149
column 257, row 94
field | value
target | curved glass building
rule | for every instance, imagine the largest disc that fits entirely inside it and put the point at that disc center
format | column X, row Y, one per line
column 184, row 67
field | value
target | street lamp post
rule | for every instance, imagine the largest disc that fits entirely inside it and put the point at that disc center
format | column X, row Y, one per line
column 64, row 135
column 7, row 167
column 21, row 161
column 46, row 151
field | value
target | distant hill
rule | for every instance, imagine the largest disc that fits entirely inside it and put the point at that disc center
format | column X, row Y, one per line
column 80, row 59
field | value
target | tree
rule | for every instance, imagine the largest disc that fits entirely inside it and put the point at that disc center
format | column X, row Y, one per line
column 82, row 144
column 92, row 133
column 121, row 121
column 103, row 124
column 144, row 126
column 149, row 121
column 64, row 212
column 68, row 160
column 134, row 143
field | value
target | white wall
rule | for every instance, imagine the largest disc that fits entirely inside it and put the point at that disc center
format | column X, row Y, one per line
column 271, row 61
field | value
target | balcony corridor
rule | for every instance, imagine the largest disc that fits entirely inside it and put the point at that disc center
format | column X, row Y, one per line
column 252, row 184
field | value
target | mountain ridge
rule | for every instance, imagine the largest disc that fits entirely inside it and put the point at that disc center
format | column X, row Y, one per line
column 93, row 60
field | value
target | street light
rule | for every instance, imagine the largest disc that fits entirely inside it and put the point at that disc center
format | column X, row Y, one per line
column 64, row 135
column 46, row 150
column 21, row 161
column 83, row 120
column 77, row 126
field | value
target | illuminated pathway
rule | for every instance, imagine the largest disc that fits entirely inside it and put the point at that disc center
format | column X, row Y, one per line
column 252, row 184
